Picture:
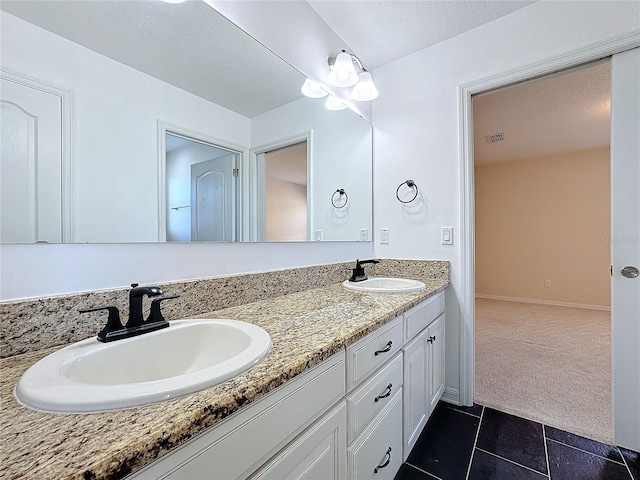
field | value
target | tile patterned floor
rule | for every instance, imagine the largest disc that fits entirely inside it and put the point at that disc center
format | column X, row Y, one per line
column 479, row 443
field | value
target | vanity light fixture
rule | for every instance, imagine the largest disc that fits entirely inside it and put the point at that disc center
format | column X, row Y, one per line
column 341, row 70
column 313, row 90
column 343, row 74
column 365, row 90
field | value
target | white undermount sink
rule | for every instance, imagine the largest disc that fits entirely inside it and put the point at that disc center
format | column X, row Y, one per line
column 386, row 285
column 186, row 357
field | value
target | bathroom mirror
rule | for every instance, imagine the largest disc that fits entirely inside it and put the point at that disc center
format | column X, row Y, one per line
column 128, row 84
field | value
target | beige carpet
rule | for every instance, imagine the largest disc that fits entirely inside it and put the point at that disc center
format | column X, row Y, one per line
column 546, row 363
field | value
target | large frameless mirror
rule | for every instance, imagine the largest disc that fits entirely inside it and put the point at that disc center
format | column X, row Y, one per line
column 142, row 121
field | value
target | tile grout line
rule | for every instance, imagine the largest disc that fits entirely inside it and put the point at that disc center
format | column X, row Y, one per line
column 511, row 461
column 546, row 450
column 466, row 413
column 590, row 453
column 475, row 442
column 423, row 471
column 624, row 459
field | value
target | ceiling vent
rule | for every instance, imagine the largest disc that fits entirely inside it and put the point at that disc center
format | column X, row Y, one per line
column 496, row 137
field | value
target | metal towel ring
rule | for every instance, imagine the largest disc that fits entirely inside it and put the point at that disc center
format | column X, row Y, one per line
column 410, row 184
column 341, row 192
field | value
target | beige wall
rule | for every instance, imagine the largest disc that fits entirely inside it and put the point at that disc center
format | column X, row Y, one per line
column 545, row 219
column 286, row 211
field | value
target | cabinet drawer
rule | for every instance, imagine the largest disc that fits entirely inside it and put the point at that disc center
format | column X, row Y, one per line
column 367, row 400
column 377, row 453
column 422, row 315
column 368, row 353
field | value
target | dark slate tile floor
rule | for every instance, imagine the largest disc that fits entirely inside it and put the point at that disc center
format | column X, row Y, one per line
column 480, row 443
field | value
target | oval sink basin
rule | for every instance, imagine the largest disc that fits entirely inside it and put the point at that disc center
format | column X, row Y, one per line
column 189, row 355
column 386, row 285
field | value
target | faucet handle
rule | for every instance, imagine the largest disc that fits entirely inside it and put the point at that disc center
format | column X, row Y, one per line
column 155, row 315
column 113, row 322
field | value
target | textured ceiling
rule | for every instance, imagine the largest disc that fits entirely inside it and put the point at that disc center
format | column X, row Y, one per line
column 380, row 32
column 556, row 114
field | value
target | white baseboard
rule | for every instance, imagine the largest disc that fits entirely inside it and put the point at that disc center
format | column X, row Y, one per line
column 451, row 395
column 545, row 302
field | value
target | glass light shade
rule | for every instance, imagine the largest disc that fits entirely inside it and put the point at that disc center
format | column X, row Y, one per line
column 334, row 103
column 342, row 73
column 365, row 89
column 312, row 89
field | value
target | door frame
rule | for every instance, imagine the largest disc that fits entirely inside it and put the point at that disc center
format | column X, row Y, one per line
column 257, row 228
column 163, row 129
column 67, row 102
column 570, row 59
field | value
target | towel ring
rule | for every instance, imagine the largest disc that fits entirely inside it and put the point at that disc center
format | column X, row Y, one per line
column 410, row 184
column 341, row 192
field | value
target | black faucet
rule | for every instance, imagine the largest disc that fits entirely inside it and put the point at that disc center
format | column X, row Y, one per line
column 136, row 325
column 358, row 272
column 135, row 303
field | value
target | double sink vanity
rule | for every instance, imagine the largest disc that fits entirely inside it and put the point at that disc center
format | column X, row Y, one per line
column 351, row 378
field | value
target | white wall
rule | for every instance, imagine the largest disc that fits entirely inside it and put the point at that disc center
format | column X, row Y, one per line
column 417, row 126
column 286, row 211
column 42, row 270
column 337, row 161
column 115, row 164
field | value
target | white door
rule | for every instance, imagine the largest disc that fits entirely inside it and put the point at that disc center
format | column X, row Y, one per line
column 212, row 200
column 31, row 165
column 625, row 246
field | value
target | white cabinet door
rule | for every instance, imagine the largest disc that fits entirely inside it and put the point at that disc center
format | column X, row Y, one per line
column 377, row 452
column 416, row 383
column 436, row 361
column 319, row 452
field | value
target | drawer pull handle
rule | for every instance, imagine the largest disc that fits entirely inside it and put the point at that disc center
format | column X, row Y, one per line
column 386, row 349
column 375, row 470
column 385, row 395
column 431, row 339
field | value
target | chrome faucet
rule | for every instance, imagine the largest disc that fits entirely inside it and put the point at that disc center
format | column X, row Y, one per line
column 358, row 272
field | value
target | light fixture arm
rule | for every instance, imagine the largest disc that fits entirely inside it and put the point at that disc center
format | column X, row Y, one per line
column 332, row 60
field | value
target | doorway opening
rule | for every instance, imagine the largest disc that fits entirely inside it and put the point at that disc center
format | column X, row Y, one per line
column 282, row 204
column 201, row 192
column 542, row 280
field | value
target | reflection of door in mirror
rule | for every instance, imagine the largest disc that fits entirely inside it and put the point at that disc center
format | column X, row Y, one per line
column 201, row 191
column 31, row 156
column 285, row 203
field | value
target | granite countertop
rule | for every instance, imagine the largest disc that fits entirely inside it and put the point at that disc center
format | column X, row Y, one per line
column 305, row 327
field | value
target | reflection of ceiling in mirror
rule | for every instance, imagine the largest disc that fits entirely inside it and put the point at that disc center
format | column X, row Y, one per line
column 189, row 45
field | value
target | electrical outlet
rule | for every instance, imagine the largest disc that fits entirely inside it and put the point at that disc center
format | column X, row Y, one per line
column 384, row 236
column 364, row 234
column 318, row 236
column 547, row 284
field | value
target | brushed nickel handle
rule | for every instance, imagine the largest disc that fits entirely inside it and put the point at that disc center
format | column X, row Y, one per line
column 630, row 272
column 386, row 349
column 375, row 470
column 385, row 395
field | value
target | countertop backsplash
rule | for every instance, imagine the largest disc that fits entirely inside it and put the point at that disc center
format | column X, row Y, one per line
column 34, row 324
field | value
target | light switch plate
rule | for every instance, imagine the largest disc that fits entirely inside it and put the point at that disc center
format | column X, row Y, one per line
column 384, row 236
column 447, row 235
